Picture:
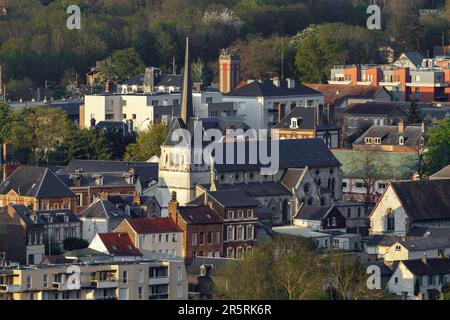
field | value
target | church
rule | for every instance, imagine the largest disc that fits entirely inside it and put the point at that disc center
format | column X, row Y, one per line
column 308, row 173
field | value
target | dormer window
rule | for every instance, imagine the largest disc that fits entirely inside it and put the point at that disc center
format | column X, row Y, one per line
column 401, row 140
column 369, row 141
column 98, row 180
column 66, row 219
column 294, row 124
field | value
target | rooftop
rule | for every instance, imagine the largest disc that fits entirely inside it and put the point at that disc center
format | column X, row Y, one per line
column 267, row 88
column 233, row 198
column 153, row 225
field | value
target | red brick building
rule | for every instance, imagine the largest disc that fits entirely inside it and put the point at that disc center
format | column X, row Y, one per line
column 202, row 230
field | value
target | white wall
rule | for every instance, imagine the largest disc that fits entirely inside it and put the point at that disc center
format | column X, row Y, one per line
column 156, row 246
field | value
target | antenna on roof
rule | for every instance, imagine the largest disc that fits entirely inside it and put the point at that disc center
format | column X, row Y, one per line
column 282, row 58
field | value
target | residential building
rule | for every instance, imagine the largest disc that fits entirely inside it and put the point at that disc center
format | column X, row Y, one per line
column 400, row 138
column 202, row 229
column 309, row 123
column 21, row 235
column 418, row 248
column 136, row 205
column 407, row 204
column 239, row 214
column 154, row 237
column 117, row 245
column 89, row 179
column 102, row 216
column 113, row 280
column 359, row 117
column 258, row 101
column 343, row 95
column 38, row 188
column 320, row 218
column 152, row 81
column 60, row 225
column 356, row 216
column 420, row 279
column 390, row 166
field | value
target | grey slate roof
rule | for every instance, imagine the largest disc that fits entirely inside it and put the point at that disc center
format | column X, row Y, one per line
column 426, row 244
column 293, row 153
column 312, row 213
column 376, row 108
column 233, row 198
column 119, row 125
column 424, row 200
column 268, row 89
column 306, row 120
column 110, row 179
column 257, row 189
column 390, row 135
column 165, row 80
column 415, row 57
column 427, row 232
column 103, row 209
column 199, row 215
column 37, row 182
column 57, row 216
column 432, row 266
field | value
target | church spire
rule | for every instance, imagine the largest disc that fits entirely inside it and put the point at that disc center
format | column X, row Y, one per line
column 186, row 99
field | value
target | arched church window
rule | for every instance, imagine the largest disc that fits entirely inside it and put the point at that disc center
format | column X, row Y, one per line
column 390, row 220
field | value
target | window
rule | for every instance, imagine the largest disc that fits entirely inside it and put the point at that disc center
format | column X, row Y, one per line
column 209, row 100
column 294, row 123
column 250, row 214
column 140, row 293
column 359, row 212
column 230, row 233
column 174, row 237
column 230, row 253
column 210, row 237
column 401, row 140
column 216, row 237
column 441, row 252
column 29, row 282
column 240, row 214
column 431, row 280
column 390, row 220
column 155, row 103
column 398, row 248
column 175, row 102
column 344, row 184
column 201, row 238
column 133, row 116
column 396, row 280
column 194, row 238
column 125, row 277
column 334, row 221
column 240, row 232
column 239, row 252
column 349, row 213
column 369, row 140
column 250, row 232
column 124, row 115
column 153, row 238
column 381, row 185
column 45, row 281
column 167, row 237
column 230, row 214
column 160, row 238
column 359, row 185
column 79, row 199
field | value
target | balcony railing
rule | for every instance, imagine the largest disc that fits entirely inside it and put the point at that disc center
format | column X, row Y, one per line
column 104, row 284
column 9, row 288
column 159, row 296
column 61, row 286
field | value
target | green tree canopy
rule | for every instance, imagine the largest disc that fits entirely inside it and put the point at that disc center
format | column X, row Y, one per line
column 148, row 143
column 437, row 155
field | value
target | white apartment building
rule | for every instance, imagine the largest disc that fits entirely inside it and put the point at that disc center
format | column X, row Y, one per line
column 131, row 280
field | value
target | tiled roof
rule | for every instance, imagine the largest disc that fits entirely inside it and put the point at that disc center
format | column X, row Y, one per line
column 336, row 93
column 293, row 153
column 233, row 198
column 432, row 266
column 257, row 189
column 103, row 209
column 37, row 182
column 428, row 232
column 267, row 88
column 376, row 108
column 424, row 200
column 119, row 244
column 153, row 225
column 199, row 215
column 306, row 120
column 427, row 243
column 390, row 135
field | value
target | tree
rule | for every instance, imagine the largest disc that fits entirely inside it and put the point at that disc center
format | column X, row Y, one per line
column 124, row 65
column 40, row 129
column 148, row 143
column 316, row 54
column 51, row 246
column 75, row 244
column 437, row 155
column 5, row 122
column 198, row 71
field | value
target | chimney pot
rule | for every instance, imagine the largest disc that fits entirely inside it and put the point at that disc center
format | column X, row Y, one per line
column 401, row 126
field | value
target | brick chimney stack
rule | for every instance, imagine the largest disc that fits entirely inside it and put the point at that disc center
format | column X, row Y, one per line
column 104, row 196
column 281, row 111
column 173, row 208
column 318, row 116
column 136, row 198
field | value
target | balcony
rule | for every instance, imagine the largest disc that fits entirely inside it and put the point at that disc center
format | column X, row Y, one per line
column 106, row 298
column 160, row 280
column 159, row 296
column 9, row 288
column 104, row 284
column 61, row 286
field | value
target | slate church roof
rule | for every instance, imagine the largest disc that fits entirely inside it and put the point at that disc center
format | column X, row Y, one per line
column 267, row 88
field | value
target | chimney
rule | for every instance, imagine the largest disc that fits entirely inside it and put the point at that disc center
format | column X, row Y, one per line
column 318, row 117
column 173, row 207
column 136, row 198
column 104, row 196
column 281, row 111
column 93, row 122
column 401, row 126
